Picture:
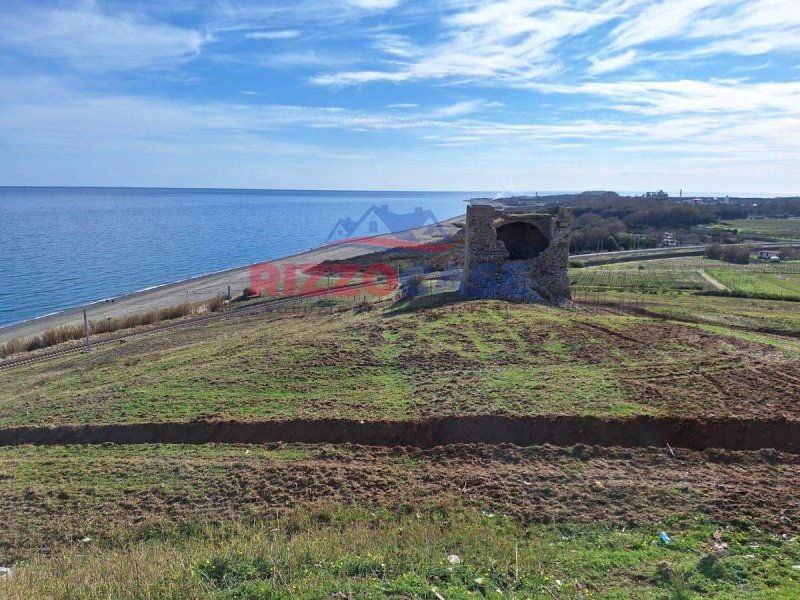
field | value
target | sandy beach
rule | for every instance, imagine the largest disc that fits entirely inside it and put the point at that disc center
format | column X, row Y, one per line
column 205, row 287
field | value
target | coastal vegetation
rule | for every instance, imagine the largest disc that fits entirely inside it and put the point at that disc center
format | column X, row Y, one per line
column 67, row 333
column 610, row 222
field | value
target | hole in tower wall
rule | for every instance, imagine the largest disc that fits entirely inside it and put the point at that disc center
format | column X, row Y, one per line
column 522, row 240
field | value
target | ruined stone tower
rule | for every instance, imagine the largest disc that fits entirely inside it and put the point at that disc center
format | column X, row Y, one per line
column 517, row 254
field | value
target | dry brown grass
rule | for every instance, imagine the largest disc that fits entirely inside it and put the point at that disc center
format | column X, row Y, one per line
column 67, row 333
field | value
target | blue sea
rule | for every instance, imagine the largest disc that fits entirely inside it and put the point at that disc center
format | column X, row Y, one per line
column 63, row 247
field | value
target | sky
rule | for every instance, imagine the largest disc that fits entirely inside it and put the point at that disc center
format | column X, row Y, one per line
column 491, row 95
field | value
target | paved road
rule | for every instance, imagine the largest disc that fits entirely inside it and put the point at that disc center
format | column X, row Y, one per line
column 676, row 251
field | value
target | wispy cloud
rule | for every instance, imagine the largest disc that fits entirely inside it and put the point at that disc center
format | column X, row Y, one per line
column 466, row 107
column 658, row 21
column 701, row 28
column 374, row 4
column 689, row 96
column 88, row 39
column 628, row 85
column 283, row 34
column 612, row 63
column 508, row 41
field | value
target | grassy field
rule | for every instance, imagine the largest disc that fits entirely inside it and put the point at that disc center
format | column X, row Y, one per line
column 730, row 312
column 759, row 279
column 216, row 521
column 338, row 553
column 693, row 263
column 646, row 278
column 759, row 284
column 340, row 521
column 457, row 358
column 779, row 229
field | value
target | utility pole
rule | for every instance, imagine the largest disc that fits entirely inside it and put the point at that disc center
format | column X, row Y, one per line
column 86, row 328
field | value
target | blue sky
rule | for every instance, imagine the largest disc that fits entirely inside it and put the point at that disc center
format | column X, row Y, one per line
column 496, row 95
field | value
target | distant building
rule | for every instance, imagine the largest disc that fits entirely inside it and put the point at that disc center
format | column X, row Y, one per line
column 660, row 194
column 769, row 255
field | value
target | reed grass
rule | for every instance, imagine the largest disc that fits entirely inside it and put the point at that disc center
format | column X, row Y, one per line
column 67, row 333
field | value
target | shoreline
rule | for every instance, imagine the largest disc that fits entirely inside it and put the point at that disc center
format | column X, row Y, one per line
column 198, row 288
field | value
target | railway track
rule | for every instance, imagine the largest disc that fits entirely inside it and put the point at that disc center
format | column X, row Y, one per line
column 244, row 311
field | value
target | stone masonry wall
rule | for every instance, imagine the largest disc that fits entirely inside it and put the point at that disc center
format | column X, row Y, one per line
column 488, row 272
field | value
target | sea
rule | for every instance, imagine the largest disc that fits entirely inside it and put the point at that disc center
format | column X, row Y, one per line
column 64, row 247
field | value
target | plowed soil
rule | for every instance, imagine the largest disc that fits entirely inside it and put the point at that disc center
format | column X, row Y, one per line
column 63, row 496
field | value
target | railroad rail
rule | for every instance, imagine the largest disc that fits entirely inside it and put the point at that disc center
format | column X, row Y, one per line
column 243, row 311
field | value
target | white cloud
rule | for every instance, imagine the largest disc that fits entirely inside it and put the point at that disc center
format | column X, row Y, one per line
column 396, row 45
column 90, row 40
column 700, row 28
column 655, row 98
column 374, row 4
column 507, row 41
column 158, row 141
column 664, row 19
column 283, row 34
column 460, row 109
column 612, row 63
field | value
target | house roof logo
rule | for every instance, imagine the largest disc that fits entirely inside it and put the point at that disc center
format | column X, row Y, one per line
column 380, row 227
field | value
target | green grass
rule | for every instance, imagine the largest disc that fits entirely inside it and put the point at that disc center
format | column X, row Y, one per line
column 571, row 389
column 779, row 286
column 773, row 228
column 726, row 311
column 456, row 358
column 646, row 278
column 759, row 279
column 328, row 552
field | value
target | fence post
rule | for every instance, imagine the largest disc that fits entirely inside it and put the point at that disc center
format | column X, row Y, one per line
column 86, row 327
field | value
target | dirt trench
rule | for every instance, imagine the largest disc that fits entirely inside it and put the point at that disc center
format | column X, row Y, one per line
column 641, row 431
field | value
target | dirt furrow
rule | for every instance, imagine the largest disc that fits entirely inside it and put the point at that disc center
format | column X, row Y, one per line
column 641, row 431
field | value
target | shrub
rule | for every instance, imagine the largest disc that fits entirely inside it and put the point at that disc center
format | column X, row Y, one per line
column 363, row 307
column 12, row 346
column 215, row 304
column 66, row 333
column 173, row 312
column 736, row 254
column 731, row 254
column 247, row 293
column 714, row 251
column 412, row 286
